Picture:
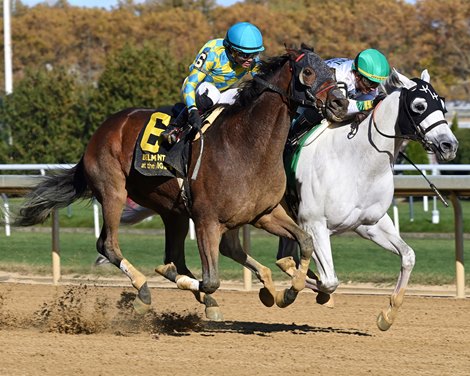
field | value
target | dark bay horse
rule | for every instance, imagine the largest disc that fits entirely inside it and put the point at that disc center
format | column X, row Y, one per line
column 241, row 179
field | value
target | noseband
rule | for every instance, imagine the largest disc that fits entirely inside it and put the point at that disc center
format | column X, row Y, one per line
column 320, row 105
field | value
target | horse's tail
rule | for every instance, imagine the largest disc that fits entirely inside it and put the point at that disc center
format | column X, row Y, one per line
column 54, row 192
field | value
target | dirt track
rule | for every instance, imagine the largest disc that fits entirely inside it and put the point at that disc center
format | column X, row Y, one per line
column 430, row 337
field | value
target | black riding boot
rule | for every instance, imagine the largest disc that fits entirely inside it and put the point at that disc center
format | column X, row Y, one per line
column 304, row 122
column 175, row 128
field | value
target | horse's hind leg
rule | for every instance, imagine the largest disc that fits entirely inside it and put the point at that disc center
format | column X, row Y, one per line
column 230, row 247
column 112, row 198
column 326, row 282
column 176, row 229
column 279, row 223
column 384, row 234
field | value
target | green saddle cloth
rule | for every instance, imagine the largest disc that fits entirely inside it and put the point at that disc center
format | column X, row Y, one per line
column 291, row 159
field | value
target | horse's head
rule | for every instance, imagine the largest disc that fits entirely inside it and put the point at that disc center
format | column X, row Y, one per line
column 313, row 80
column 421, row 115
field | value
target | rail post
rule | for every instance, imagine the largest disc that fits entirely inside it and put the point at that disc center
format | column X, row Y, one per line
column 459, row 250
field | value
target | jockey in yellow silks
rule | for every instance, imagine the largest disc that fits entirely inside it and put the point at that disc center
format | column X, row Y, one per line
column 219, row 65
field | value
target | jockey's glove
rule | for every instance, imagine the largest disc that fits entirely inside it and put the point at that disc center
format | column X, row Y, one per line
column 194, row 119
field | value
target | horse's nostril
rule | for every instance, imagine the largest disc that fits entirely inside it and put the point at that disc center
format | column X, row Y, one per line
column 446, row 146
column 339, row 105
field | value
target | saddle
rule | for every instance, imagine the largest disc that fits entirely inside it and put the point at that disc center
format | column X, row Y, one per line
column 291, row 158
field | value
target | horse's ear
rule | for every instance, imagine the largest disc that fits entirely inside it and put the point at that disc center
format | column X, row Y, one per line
column 404, row 81
column 333, row 73
column 425, row 76
column 290, row 50
column 392, row 82
column 304, row 46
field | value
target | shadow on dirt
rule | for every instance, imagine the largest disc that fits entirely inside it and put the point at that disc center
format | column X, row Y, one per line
column 263, row 329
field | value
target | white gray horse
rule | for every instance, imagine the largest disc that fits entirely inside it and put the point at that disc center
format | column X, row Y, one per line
column 344, row 180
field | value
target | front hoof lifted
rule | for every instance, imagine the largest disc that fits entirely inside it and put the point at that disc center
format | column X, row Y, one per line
column 326, row 300
column 286, row 297
column 266, row 297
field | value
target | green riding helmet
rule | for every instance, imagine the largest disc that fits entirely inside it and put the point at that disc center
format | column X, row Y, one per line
column 372, row 64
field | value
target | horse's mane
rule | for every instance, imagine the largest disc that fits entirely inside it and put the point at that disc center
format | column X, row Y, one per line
column 250, row 90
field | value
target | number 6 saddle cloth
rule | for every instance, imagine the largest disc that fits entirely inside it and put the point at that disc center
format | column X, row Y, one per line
column 154, row 157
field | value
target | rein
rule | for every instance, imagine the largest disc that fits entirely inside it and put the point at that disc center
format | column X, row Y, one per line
column 284, row 94
column 433, row 187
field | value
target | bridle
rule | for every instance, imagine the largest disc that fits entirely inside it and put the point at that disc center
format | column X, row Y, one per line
column 326, row 86
column 410, row 124
column 304, row 98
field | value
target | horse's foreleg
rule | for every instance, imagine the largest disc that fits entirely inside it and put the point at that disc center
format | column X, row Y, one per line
column 208, row 235
column 208, row 238
column 176, row 229
column 230, row 247
column 384, row 234
column 279, row 223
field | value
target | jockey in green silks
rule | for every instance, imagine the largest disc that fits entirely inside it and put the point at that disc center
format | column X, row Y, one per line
column 219, row 65
column 362, row 76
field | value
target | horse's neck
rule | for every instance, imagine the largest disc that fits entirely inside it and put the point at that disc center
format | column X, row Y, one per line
column 345, row 148
column 385, row 118
column 269, row 117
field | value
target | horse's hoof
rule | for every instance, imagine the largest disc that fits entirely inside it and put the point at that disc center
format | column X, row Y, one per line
column 383, row 323
column 326, row 300
column 168, row 271
column 214, row 314
column 266, row 297
column 287, row 265
column 285, row 298
column 140, row 307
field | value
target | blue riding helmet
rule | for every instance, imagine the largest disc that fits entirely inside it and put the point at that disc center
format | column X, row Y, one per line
column 244, row 37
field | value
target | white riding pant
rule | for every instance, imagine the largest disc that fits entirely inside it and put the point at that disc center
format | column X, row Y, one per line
column 226, row 97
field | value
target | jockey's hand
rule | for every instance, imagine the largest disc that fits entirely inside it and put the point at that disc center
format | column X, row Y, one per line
column 194, row 119
column 360, row 117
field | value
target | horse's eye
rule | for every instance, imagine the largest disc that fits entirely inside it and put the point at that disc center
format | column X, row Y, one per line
column 307, row 72
column 419, row 105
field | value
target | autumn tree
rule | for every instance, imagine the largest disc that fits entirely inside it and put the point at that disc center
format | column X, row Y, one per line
column 445, row 43
column 136, row 77
column 45, row 117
